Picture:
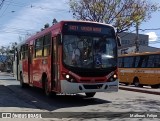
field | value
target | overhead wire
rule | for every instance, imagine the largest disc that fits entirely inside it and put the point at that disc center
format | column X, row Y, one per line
column 11, row 3
column 17, row 31
column 35, row 7
column 5, row 9
column 32, row 6
column 1, row 4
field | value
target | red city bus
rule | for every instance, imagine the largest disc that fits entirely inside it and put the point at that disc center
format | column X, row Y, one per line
column 70, row 57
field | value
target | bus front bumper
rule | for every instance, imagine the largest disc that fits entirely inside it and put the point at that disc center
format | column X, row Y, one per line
column 73, row 88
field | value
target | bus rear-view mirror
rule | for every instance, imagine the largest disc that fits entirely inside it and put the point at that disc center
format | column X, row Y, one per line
column 118, row 40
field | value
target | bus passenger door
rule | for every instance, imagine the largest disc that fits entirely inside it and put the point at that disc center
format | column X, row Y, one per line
column 15, row 64
column 25, row 63
column 30, row 74
column 54, row 60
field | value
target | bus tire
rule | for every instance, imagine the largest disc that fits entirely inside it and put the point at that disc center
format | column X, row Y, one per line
column 46, row 88
column 22, row 84
column 136, row 82
column 155, row 86
column 90, row 94
column 126, row 84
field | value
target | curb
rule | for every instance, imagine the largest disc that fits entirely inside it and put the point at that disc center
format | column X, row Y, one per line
column 6, row 74
column 139, row 90
column 6, row 79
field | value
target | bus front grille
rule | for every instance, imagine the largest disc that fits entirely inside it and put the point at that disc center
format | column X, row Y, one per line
column 97, row 80
column 97, row 86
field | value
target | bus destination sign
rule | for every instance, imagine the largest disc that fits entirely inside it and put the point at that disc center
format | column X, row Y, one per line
column 89, row 28
column 85, row 28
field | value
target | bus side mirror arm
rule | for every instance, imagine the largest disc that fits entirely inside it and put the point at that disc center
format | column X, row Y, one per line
column 59, row 39
column 118, row 40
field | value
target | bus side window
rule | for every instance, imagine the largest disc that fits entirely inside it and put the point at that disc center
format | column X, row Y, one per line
column 26, row 51
column 38, row 47
column 137, row 60
column 47, row 45
column 30, row 55
column 144, row 61
column 134, row 60
column 131, row 61
column 128, row 62
column 23, row 52
column 150, row 63
column 157, row 61
column 140, row 61
column 120, row 62
column 54, row 48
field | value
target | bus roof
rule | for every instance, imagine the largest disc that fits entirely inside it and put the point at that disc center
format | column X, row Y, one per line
column 82, row 21
column 137, row 54
column 59, row 25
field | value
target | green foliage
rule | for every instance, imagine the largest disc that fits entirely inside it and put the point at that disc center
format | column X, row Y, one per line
column 122, row 14
column 54, row 21
column 8, row 51
column 46, row 25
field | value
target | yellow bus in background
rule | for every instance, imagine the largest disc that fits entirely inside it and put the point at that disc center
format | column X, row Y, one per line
column 140, row 69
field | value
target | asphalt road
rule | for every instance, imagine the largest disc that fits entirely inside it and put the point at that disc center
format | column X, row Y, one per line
column 123, row 105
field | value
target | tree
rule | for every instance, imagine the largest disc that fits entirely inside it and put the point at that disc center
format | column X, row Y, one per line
column 42, row 29
column 54, row 21
column 3, row 57
column 7, row 55
column 46, row 25
column 122, row 14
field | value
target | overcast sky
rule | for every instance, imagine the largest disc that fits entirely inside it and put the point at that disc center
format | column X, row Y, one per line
column 19, row 18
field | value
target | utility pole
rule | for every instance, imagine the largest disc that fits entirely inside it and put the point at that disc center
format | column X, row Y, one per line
column 137, row 34
column 137, row 37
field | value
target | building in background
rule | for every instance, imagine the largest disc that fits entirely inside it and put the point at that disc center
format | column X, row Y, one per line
column 3, row 58
column 5, row 64
column 129, row 46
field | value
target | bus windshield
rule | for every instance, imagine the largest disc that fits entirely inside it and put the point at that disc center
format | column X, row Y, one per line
column 89, row 51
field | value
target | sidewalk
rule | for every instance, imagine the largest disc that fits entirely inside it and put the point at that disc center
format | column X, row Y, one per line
column 6, row 74
column 145, row 89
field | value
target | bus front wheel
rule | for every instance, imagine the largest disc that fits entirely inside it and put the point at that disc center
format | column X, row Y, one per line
column 90, row 94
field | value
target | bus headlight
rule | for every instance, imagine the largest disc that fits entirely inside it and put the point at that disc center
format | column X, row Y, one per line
column 114, row 76
column 67, row 76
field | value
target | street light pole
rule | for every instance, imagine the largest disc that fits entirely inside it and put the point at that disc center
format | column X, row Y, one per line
column 137, row 37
